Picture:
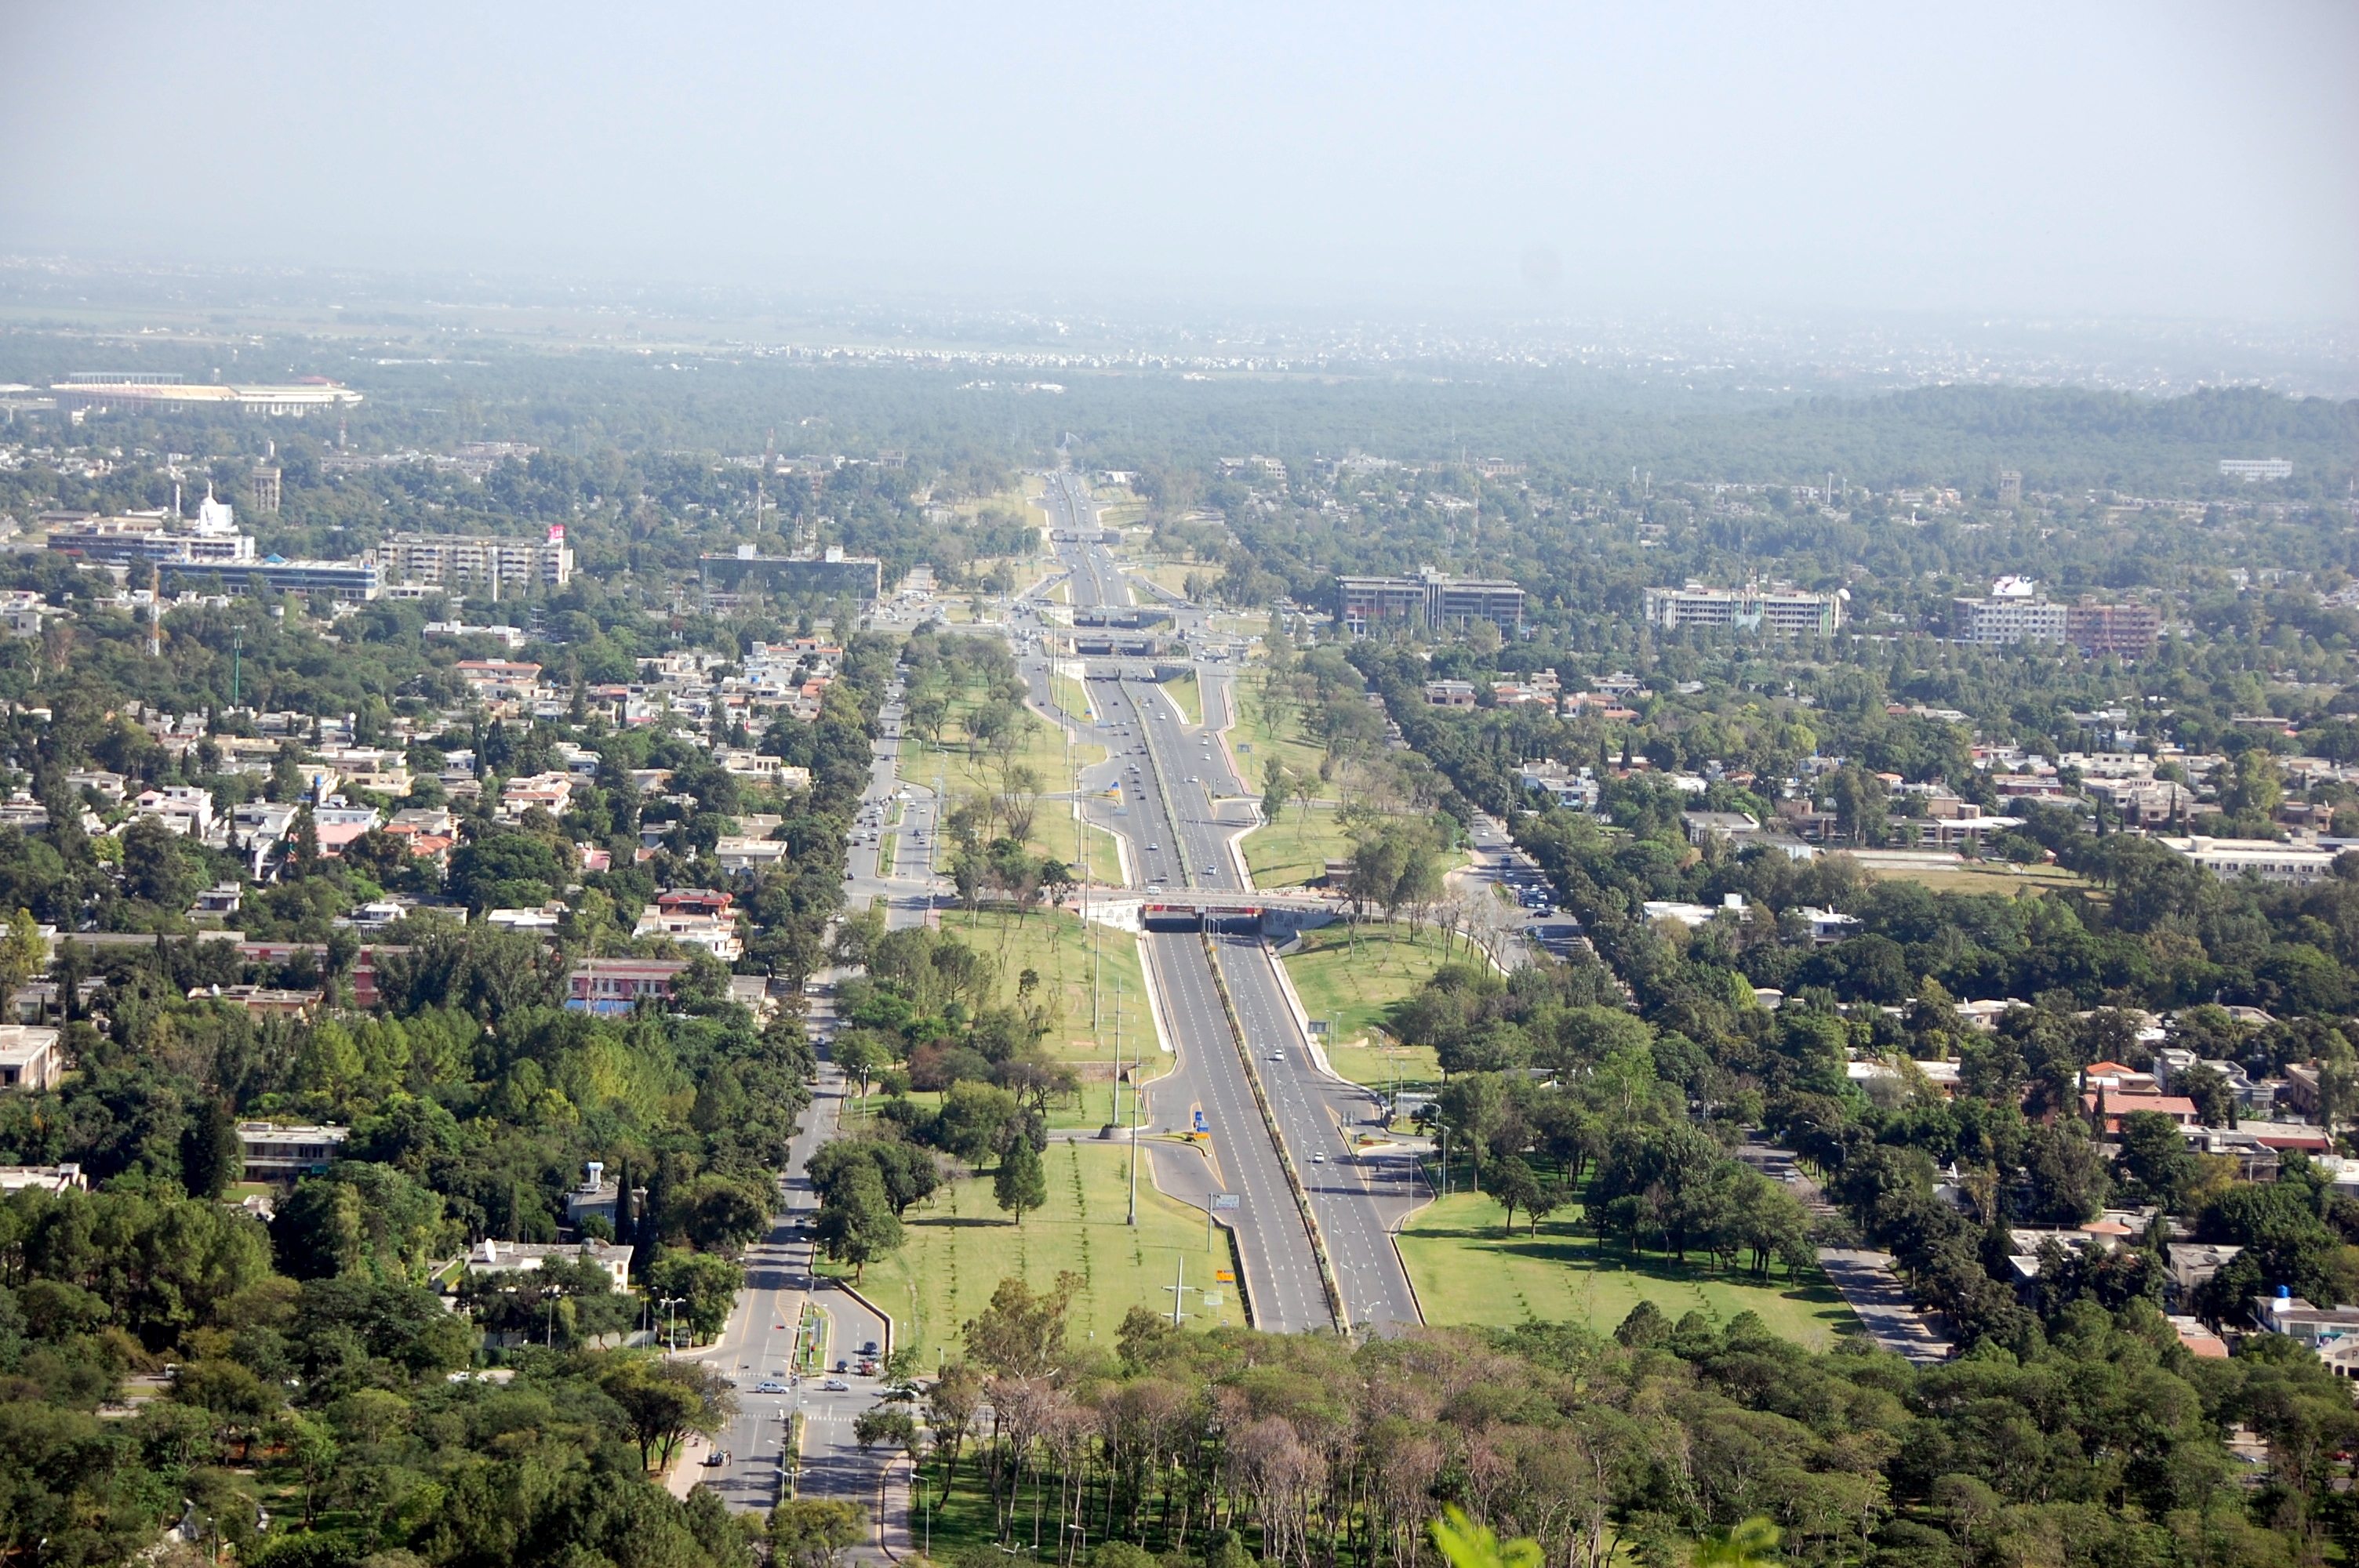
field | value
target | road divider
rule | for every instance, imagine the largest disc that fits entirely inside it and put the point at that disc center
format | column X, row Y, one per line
column 1327, row 1278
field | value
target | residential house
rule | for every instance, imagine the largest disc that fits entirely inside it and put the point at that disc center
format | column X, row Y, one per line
column 52, row 1179
column 273, row 1151
column 30, row 1058
column 617, row 985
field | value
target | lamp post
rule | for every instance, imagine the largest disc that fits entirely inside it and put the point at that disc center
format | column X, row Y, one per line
column 671, row 1323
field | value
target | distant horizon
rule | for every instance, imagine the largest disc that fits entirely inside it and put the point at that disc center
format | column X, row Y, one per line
column 1858, row 348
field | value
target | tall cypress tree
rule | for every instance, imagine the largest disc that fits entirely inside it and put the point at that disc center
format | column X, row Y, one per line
column 624, row 1218
column 211, row 1157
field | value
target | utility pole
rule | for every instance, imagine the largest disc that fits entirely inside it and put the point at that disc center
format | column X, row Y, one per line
column 1133, row 1220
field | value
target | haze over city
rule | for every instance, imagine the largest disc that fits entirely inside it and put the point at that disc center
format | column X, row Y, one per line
column 1213, row 786
column 2185, row 161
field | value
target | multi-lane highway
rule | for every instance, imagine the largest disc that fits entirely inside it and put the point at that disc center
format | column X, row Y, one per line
column 1183, row 810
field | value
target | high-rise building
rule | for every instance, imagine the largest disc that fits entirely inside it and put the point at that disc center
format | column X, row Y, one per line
column 2010, row 488
column 1780, row 611
column 266, row 487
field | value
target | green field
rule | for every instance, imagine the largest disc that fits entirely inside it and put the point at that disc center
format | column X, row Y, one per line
column 1054, row 830
column 1466, row 1273
column 1056, row 945
column 1296, row 849
column 961, row 1246
column 1289, row 743
column 1168, row 575
column 1068, row 696
column 1984, row 877
column 1186, row 697
column 1355, row 983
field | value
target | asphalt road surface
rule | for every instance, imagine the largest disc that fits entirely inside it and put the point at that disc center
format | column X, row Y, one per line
column 758, row 1344
column 1181, row 843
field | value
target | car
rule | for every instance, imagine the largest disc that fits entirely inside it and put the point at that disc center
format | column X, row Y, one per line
column 770, row 1387
column 1154, row 846
column 717, row 1458
column 1317, row 1159
column 1278, row 1055
column 843, row 1366
column 836, row 1386
column 1212, row 871
column 868, row 1347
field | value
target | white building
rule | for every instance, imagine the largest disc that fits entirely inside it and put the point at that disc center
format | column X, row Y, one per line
column 491, row 1257
column 2013, row 612
column 1783, row 613
column 29, row 1058
column 42, row 1178
column 2271, row 862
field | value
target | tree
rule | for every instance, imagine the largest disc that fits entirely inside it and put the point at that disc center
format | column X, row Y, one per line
column 706, row 1286
column 23, row 952
column 211, row 1157
column 153, row 867
column 2154, row 1153
column 860, row 1051
column 663, row 1401
column 1514, row 1186
column 811, row 1532
column 1021, row 1182
column 856, row 1220
column 1022, row 1332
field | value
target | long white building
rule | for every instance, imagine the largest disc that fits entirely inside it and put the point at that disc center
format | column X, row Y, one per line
column 1780, row 611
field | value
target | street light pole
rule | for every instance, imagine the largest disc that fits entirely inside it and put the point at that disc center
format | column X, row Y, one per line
column 1133, row 1104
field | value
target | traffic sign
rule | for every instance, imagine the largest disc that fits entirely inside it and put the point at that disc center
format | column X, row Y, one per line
column 1200, row 1125
column 1227, row 1201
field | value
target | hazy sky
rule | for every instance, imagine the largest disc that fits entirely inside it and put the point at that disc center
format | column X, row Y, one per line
column 2075, row 157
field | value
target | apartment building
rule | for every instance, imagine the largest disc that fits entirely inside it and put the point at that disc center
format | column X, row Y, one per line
column 1998, row 621
column 2129, row 630
column 458, row 561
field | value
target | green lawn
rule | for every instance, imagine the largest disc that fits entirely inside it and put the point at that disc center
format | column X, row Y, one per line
column 961, row 1246
column 1356, row 984
column 1289, row 743
column 1466, row 1273
column 1054, row 830
column 1296, row 849
column 1070, row 697
column 1984, row 877
column 1056, row 946
column 1168, row 575
column 1183, row 692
